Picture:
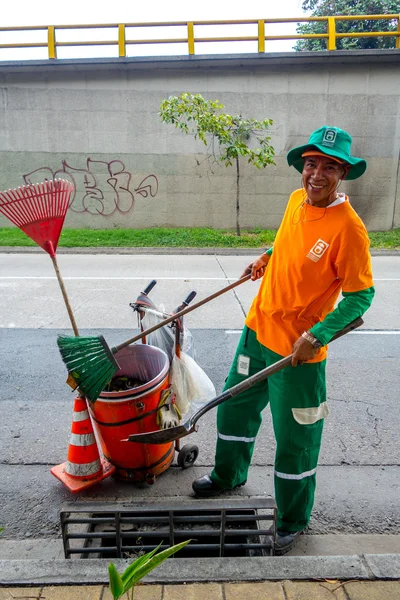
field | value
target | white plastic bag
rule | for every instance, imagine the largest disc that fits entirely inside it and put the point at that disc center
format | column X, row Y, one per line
column 164, row 337
column 190, row 383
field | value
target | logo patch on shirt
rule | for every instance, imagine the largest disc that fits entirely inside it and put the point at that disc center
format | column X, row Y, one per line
column 318, row 250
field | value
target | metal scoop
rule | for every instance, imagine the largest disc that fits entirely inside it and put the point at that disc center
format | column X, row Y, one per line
column 164, row 436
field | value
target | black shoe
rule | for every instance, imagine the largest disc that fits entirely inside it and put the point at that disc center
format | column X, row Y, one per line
column 285, row 540
column 205, row 487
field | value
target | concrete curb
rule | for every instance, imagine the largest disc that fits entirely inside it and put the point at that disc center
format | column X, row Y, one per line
column 150, row 250
column 367, row 567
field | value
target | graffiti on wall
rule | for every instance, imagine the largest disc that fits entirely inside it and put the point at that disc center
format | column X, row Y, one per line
column 103, row 188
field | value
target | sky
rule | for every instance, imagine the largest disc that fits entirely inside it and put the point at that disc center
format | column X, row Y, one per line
column 53, row 12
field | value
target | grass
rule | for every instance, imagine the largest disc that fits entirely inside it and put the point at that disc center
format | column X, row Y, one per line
column 154, row 237
column 201, row 237
column 385, row 239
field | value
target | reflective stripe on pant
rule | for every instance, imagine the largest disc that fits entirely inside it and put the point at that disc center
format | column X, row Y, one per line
column 297, row 432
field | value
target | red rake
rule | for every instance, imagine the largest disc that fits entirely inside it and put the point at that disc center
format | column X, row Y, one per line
column 39, row 211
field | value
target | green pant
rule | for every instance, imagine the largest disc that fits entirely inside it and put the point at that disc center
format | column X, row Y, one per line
column 297, row 400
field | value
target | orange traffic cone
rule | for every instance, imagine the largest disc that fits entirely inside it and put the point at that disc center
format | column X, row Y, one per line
column 84, row 466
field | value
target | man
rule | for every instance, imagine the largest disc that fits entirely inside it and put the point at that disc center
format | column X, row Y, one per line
column 321, row 248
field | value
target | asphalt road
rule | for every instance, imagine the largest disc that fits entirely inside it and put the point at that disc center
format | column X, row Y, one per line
column 358, row 489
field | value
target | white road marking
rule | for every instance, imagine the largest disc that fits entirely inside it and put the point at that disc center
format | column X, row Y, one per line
column 359, row 332
column 39, row 277
column 376, row 332
column 188, row 278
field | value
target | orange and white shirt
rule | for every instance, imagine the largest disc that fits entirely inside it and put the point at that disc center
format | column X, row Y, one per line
column 317, row 253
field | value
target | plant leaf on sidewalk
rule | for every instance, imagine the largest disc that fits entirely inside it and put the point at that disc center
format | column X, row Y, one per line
column 156, row 560
column 116, row 584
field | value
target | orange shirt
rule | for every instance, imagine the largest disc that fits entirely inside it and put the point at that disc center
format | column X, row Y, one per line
column 317, row 252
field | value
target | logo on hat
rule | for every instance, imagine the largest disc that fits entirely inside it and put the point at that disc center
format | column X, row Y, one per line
column 329, row 138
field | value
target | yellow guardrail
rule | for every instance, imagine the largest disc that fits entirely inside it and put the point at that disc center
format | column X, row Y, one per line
column 192, row 30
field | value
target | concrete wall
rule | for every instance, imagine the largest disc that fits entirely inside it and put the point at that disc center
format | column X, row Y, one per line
column 97, row 123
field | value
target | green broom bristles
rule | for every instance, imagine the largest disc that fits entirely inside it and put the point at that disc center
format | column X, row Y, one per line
column 90, row 362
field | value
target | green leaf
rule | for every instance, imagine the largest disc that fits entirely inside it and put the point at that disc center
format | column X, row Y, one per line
column 116, row 585
column 152, row 563
column 137, row 564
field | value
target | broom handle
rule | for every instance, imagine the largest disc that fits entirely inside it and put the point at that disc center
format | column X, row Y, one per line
column 64, row 293
column 175, row 316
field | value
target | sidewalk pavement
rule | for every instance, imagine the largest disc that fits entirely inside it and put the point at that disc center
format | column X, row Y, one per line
column 267, row 590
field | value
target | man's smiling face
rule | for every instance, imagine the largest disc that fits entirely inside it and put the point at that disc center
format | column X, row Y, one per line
column 321, row 176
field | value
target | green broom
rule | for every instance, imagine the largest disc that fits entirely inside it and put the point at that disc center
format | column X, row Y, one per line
column 91, row 362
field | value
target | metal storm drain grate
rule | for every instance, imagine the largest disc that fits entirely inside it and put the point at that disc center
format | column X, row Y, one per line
column 227, row 529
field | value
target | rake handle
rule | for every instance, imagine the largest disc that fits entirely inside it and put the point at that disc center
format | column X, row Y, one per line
column 175, row 316
column 65, row 296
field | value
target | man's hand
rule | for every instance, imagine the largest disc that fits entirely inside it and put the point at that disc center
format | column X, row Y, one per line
column 257, row 268
column 302, row 351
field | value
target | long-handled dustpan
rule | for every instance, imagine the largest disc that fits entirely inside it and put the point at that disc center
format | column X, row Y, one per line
column 90, row 361
column 164, row 436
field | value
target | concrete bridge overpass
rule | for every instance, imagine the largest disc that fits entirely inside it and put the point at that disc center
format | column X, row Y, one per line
column 96, row 122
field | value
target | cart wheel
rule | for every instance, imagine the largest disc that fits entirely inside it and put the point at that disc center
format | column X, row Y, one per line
column 187, row 456
column 150, row 478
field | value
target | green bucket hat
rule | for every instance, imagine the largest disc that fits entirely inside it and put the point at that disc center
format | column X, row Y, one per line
column 331, row 141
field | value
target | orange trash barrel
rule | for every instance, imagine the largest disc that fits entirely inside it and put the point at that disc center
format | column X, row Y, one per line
column 116, row 415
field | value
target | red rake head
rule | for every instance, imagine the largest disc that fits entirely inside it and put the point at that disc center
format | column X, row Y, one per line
column 39, row 210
